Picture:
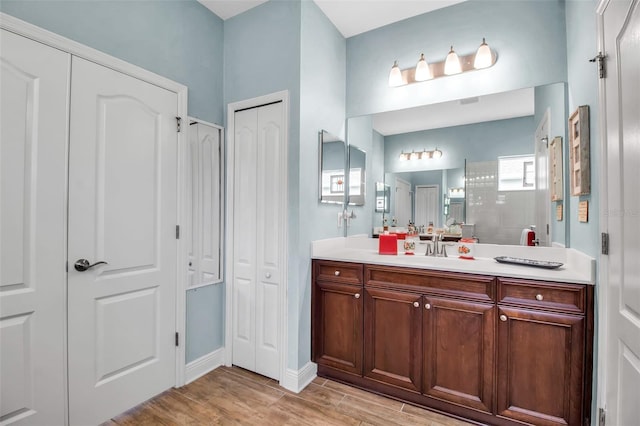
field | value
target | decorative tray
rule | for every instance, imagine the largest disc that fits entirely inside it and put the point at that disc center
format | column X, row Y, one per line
column 528, row 262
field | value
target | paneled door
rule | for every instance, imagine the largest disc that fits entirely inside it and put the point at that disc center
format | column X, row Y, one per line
column 257, row 239
column 122, row 211
column 403, row 202
column 33, row 142
column 427, row 205
column 622, row 270
column 543, row 196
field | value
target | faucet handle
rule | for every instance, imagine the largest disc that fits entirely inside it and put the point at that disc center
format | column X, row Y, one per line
column 429, row 250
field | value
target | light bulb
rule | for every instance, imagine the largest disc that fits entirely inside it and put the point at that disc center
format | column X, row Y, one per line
column 403, row 156
column 395, row 76
column 437, row 153
column 452, row 63
column 422, row 70
column 415, row 156
column 483, row 56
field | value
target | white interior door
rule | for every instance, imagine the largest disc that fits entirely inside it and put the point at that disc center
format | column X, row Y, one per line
column 122, row 210
column 258, row 238
column 403, row 202
column 543, row 197
column 622, row 278
column 33, row 143
column 427, row 205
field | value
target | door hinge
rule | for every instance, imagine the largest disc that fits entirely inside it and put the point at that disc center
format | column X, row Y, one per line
column 177, row 339
column 599, row 58
column 604, row 243
column 547, row 229
column 179, row 123
column 602, row 413
column 177, row 232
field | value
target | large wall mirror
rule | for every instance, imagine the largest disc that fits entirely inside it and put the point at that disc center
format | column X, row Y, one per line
column 332, row 161
column 460, row 183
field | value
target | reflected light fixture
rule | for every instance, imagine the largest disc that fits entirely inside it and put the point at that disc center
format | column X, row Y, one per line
column 452, row 63
column 395, row 76
column 484, row 57
column 423, row 72
column 420, row 155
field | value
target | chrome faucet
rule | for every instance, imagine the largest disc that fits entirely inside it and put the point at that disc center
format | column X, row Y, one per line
column 435, row 249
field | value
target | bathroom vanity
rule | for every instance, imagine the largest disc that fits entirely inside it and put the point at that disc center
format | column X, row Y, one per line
column 483, row 341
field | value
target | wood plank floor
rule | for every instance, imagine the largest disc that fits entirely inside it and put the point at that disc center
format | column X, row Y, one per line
column 233, row 396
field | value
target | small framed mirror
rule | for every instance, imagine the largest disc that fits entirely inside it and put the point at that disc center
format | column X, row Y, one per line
column 357, row 175
column 332, row 161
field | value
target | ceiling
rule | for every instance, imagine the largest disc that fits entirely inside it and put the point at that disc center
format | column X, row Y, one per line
column 352, row 17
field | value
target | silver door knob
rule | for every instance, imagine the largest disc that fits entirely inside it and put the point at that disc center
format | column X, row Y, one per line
column 416, row 304
column 82, row 265
column 357, row 295
column 427, row 306
column 539, row 297
column 503, row 317
column 337, row 273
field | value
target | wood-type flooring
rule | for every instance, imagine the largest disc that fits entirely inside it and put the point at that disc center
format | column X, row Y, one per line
column 233, row 396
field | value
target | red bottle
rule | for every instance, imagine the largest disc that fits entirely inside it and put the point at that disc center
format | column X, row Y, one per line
column 531, row 238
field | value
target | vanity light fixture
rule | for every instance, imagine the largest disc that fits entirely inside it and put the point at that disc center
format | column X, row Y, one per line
column 420, row 155
column 484, row 57
column 452, row 63
column 423, row 72
column 395, row 76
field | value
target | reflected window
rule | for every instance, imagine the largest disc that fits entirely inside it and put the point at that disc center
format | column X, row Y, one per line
column 516, row 173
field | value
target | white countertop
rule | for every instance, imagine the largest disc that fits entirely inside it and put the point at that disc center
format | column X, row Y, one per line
column 577, row 267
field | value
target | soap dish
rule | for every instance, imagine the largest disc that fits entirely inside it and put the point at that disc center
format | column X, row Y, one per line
column 528, row 262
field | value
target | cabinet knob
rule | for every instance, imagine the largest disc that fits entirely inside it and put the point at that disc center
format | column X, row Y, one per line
column 539, row 297
column 503, row 317
column 427, row 306
column 357, row 295
column 337, row 273
column 267, row 275
column 416, row 304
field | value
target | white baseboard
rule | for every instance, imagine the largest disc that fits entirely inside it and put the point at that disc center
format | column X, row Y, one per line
column 203, row 365
column 296, row 380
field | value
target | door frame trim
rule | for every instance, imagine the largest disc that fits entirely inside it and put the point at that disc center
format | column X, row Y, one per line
column 64, row 44
column 602, row 289
column 282, row 96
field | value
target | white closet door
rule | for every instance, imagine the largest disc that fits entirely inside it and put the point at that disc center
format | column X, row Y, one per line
column 34, row 115
column 244, row 238
column 258, row 238
column 427, row 205
column 403, row 202
column 269, row 239
column 122, row 210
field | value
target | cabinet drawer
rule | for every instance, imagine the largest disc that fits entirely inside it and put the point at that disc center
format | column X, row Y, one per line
column 340, row 272
column 553, row 296
column 476, row 287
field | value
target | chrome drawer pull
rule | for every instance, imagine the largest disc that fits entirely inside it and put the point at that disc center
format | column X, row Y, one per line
column 337, row 273
column 416, row 304
column 539, row 297
column 427, row 306
column 357, row 295
column 503, row 317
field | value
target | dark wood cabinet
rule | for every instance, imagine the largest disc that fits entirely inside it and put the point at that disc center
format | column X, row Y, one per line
column 501, row 351
column 542, row 348
column 337, row 316
column 459, row 346
column 393, row 338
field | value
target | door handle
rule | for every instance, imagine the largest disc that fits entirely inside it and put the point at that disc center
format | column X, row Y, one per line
column 82, row 265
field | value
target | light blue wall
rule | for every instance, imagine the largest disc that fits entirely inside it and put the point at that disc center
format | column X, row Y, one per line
column 525, row 34
column 553, row 97
column 474, row 142
column 262, row 55
column 583, row 90
column 180, row 40
column 322, row 106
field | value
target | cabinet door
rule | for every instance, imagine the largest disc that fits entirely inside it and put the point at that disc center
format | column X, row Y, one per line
column 337, row 326
column 458, row 341
column 393, row 338
column 540, row 366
